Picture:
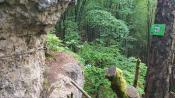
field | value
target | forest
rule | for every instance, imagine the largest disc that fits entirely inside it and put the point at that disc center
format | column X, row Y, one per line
column 105, row 33
column 87, row 48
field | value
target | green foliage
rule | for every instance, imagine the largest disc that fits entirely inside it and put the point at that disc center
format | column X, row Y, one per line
column 98, row 55
column 121, row 9
column 93, row 5
column 143, row 13
column 72, row 37
column 109, row 29
column 138, row 28
column 96, row 84
column 134, row 13
column 54, row 43
column 101, row 56
column 128, row 66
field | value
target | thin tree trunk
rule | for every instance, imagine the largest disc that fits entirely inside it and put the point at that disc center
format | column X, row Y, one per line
column 158, row 76
column 172, row 77
column 137, row 73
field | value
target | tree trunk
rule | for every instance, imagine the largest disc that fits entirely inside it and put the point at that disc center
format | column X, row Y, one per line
column 23, row 26
column 161, row 54
column 137, row 73
column 172, row 77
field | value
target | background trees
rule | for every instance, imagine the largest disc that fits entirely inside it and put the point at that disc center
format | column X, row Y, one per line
column 133, row 13
column 106, row 33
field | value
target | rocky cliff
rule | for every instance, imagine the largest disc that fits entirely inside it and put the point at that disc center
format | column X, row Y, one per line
column 23, row 28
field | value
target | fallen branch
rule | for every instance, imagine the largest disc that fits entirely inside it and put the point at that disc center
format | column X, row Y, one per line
column 79, row 88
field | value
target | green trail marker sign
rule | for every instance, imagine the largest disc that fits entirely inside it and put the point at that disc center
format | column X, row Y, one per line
column 158, row 29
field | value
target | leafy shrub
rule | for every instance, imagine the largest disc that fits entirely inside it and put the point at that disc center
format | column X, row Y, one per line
column 93, row 5
column 54, row 43
column 72, row 37
column 105, row 26
column 96, row 84
column 98, row 55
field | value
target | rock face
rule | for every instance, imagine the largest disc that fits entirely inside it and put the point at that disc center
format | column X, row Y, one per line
column 63, row 69
column 23, row 26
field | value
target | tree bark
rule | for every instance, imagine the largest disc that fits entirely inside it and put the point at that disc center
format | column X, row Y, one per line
column 172, row 77
column 161, row 54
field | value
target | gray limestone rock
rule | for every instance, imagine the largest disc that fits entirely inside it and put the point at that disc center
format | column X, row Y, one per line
column 23, row 28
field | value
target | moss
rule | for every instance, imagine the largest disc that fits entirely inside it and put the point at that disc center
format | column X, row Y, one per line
column 119, row 84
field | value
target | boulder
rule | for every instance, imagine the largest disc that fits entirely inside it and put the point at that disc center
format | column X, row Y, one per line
column 132, row 92
column 63, row 69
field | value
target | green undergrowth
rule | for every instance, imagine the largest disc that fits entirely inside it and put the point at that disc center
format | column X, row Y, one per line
column 96, row 58
column 55, row 45
column 102, row 57
column 96, row 84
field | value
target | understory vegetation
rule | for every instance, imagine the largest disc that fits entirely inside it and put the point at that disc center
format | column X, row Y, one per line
column 105, row 33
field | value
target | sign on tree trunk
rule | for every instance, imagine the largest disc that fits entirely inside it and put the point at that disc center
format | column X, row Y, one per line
column 161, row 53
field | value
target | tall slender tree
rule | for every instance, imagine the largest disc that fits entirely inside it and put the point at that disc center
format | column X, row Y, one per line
column 161, row 53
